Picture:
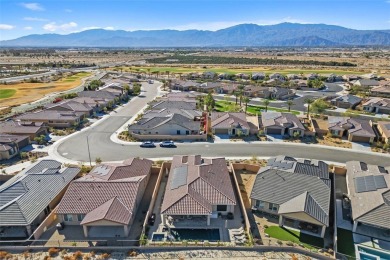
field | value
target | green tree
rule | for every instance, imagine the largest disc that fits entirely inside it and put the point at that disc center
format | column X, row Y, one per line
column 209, row 101
column 319, row 106
column 289, row 104
column 308, row 101
column 246, row 101
column 266, row 103
column 236, row 94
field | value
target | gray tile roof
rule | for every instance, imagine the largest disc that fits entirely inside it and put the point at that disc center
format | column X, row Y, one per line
column 190, row 114
column 378, row 102
column 26, row 195
column 108, row 192
column 223, row 120
column 294, row 192
column 97, row 94
column 207, row 183
column 355, row 126
column 173, row 119
column 70, row 105
column 351, row 99
column 279, row 119
column 17, row 127
column 371, row 207
column 161, row 104
column 50, row 115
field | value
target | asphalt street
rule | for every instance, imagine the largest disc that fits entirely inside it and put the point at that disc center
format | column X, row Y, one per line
column 75, row 148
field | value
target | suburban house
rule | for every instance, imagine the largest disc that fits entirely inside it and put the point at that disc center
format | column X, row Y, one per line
column 71, row 106
column 10, row 145
column 242, row 76
column 277, row 76
column 117, row 89
column 384, row 130
column 226, row 89
column 225, row 123
column 293, row 76
column 31, row 129
column 164, row 112
column 184, row 85
column 369, row 194
column 97, row 104
column 197, row 188
column 377, row 105
column 278, row 123
column 167, row 103
column 357, row 130
column 258, row 75
column 172, row 126
column 209, row 87
column 349, row 78
column 53, row 118
column 346, row 101
column 366, row 83
column 180, row 96
column 381, row 91
column 334, row 78
column 298, row 83
column 255, row 91
column 29, row 197
column 209, row 75
column 298, row 191
column 104, row 202
column 311, row 76
column 281, row 93
column 105, row 95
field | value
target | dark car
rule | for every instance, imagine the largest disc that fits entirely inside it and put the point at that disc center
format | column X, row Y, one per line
column 152, row 219
column 167, row 144
column 147, row 144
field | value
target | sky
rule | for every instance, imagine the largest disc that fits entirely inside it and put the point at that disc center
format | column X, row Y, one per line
column 19, row 18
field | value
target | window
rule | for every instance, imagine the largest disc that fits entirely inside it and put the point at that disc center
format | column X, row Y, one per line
column 178, row 132
column 68, row 217
column 187, row 132
column 260, row 204
column 273, row 207
column 221, row 207
column 80, row 217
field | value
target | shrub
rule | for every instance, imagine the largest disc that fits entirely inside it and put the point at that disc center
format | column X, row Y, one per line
column 92, row 253
column 78, row 255
column 132, row 253
column 98, row 160
column 279, row 242
column 289, row 243
column 5, row 255
column 105, row 255
column 53, row 251
column 26, row 254
column 47, row 257
column 266, row 226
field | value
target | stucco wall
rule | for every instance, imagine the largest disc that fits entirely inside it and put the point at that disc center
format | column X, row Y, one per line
column 170, row 137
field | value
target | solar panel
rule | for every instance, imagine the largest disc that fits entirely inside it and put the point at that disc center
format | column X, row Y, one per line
column 370, row 183
column 179, row 177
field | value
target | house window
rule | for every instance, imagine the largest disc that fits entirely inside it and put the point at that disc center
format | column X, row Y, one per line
column 178, row 132
column 260, row 204
column 221, row 207
column 80, row 217
column 187, row 132
column 273, row 207
column 68, row 217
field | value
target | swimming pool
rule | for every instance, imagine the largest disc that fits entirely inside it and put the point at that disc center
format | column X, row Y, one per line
column 366, row 253
column 180, row 234
column 158, row 237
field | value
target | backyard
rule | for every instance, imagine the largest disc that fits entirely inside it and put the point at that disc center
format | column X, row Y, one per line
column 21, row 93
column 228, row 106
column 295, row 236
column 345, row 243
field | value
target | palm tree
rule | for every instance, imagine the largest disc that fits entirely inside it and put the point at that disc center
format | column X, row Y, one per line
column 236, row 94
column 308, row 101
column 241, row 91
column 266, row 103
column 167, row 72
column 246, row 101
column 289, row 104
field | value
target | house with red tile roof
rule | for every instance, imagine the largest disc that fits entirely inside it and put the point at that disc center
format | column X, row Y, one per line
column 197, row 188
column 108, row 196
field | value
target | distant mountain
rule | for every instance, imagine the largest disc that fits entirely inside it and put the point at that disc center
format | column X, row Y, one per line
column 284, row 34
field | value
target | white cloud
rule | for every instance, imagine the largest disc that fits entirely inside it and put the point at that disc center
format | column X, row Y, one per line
column 110, row 28
column 35, row 19
column 28, row 28
column 33, row 6
column 52, row 27
column 6, row 27
column 68, row 10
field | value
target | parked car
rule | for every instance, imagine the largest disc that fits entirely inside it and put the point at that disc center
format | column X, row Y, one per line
column 152, row 219
column 151, row 81
column 147, row 144
column 167, row 144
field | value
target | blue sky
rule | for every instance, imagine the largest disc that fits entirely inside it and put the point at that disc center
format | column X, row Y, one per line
column 19, row 18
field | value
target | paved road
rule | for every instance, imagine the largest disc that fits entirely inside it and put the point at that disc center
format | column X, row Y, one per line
column 19, row 78
column 75, row 147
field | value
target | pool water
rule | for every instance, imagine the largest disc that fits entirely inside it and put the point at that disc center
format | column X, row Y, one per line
column 158, row 237
column 195, row 234
column 365, row 253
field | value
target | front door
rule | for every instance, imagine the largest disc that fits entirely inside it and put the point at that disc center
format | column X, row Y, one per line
column 233, row 131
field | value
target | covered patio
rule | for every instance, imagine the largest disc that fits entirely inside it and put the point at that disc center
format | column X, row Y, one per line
column 302, row 226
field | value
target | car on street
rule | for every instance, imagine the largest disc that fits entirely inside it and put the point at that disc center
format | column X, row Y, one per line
column 148, row 144
column 167, row 144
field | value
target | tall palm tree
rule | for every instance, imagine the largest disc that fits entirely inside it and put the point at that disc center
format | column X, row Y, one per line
column 236, row 94
column 308, row 101
column 289, row 104
column 266, row 103
column 241, row 90
column 246, row 101
column 167, row 72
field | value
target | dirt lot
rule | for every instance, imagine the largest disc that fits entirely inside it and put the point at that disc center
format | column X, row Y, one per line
column 28, row 92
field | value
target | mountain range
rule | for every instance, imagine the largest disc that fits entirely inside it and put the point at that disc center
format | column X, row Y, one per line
column 284, row 34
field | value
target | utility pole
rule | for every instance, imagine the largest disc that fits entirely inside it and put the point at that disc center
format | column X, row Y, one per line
column 89, row 153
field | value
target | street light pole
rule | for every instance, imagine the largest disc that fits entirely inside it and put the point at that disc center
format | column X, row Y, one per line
column 89, row 153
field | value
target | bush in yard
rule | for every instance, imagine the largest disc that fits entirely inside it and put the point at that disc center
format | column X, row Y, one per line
column 279, row 242
column 78, row 255
column 98, row 160
column 53, row 251
column 105, row 255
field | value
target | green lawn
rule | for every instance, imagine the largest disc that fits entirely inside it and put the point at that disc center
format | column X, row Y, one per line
column 7, row 93
column 284, row 234
column 345, row 242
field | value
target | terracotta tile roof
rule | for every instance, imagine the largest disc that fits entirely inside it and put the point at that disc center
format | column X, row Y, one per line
column 228, row 120
column 17, row 127
column 108, row 192
column 195, row 184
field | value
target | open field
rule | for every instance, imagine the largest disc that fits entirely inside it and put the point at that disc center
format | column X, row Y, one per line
column 29, row 92
column 233, row 70
column 7, row 93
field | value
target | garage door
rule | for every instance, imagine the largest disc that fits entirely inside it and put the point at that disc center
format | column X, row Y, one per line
column 274, row 131
column 360, row 139
column 221, row 131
